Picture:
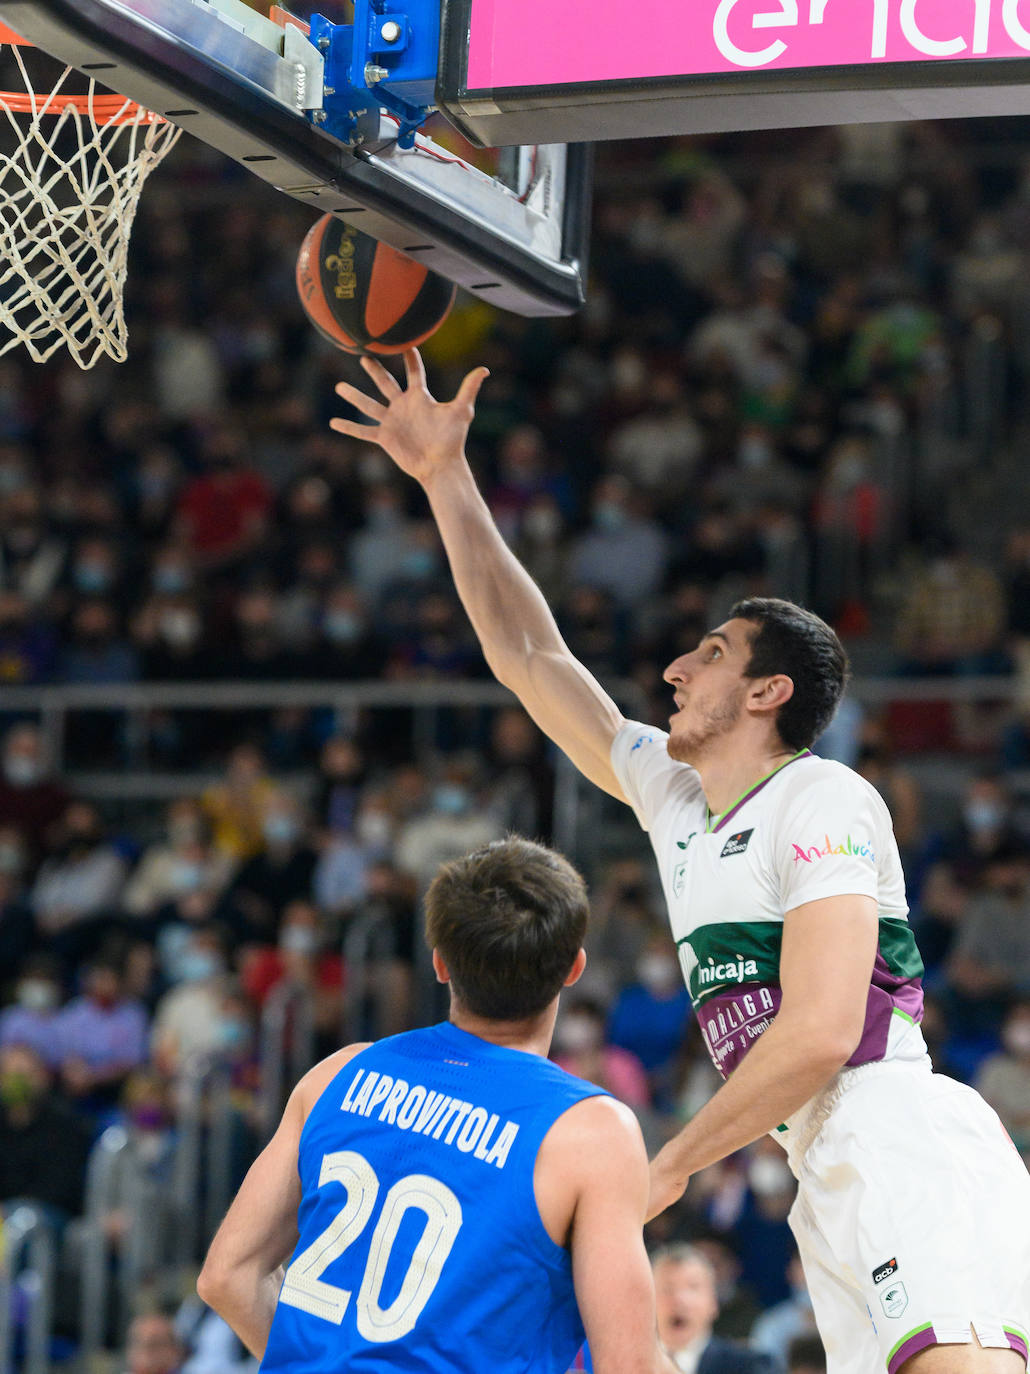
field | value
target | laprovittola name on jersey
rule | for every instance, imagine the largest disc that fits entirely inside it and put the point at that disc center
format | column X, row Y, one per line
column 413, row 1107
column 811, row 829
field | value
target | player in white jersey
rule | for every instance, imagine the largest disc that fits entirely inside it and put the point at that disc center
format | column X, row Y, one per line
column 786, row 899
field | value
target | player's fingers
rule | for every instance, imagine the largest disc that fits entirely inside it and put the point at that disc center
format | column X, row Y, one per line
column 360, row 401
column 469, row 389
column 414, row 368
column 370, row 433
column 384, row 380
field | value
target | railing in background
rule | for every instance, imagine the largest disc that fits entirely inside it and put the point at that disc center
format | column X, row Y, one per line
column 287, row 1049
column 27, row 1268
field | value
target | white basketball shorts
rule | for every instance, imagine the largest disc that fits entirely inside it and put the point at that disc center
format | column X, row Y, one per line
column 912, row 1219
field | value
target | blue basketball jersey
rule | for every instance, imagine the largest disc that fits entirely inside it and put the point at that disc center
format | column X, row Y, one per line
column 421, row 1247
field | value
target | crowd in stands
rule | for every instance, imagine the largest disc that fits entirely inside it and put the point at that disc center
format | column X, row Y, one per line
column 778, row 385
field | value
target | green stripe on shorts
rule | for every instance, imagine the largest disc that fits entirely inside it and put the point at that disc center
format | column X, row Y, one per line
column 914, row 1332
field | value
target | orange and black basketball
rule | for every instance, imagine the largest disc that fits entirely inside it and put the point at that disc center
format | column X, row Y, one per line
column 364, row 296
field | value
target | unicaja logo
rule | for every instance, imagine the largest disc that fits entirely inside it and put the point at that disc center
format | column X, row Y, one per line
column 849, row 847
column 734, row 972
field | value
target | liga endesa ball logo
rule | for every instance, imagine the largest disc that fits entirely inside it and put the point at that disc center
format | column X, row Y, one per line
column 364, row 296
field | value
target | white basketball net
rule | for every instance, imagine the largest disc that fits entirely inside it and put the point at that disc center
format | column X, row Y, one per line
column 71, row 172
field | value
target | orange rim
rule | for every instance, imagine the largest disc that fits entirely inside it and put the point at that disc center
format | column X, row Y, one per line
column 105, row 109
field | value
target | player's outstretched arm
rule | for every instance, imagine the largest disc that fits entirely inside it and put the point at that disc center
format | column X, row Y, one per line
column 242, row 1273
column 521, row 642
column 595, row 1152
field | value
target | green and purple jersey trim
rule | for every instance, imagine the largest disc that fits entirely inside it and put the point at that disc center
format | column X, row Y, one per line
column 735, row 986
column 921, row 1337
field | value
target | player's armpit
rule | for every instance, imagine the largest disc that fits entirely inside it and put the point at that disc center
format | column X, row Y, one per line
column 595, row 1157
column 826, row 963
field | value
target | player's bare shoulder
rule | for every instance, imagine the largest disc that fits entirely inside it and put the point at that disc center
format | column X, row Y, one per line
column 314, row 1083
column 596, row 1138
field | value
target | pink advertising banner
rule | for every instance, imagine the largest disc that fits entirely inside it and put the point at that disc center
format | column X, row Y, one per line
column 557, row 42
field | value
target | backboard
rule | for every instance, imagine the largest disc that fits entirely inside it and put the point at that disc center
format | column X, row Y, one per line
column 258, row 92
column 511, row 69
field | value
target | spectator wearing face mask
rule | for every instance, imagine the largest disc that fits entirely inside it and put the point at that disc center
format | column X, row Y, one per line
column 579, row 1047
column 987, row 830
column 188, row 1018
column 990, row 959
column 1004, row 1078
column 453, row 824
column 625, row 552
column 32, row 799
column 43, row 1145
column 301, row 959
column 344, row 645
column 33, row 1019
column 649, row 1017
column 183, row 861
column 281, row 873
column 78, row 884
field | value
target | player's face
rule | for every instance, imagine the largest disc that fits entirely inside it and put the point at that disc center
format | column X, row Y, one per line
column 710, row 688
column 685, row 1302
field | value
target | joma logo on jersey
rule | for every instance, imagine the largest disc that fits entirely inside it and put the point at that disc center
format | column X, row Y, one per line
column 735, row 972
column 849, row 847
column 736, row 844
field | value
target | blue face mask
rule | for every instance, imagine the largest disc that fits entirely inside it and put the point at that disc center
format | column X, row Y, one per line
column 186, row 876
column 232, row 1033
column 197, row 965
column 91, row 577
column 419, row 563
column 608, row 516
column 341, row 627
column 451, row 799
column 170, row 581
column 280, row 829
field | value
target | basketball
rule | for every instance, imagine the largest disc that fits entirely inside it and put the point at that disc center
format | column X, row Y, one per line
column 364, row 296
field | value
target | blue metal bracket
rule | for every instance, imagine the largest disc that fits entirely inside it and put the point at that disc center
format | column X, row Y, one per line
column 386, row 59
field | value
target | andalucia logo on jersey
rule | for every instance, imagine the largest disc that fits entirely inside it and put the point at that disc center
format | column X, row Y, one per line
column 848, row 847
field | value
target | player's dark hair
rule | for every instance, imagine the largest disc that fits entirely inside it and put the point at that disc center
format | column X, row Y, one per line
column 508, row 920
column 790, row 640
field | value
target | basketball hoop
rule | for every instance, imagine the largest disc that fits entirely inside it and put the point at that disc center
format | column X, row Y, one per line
column 69, row 188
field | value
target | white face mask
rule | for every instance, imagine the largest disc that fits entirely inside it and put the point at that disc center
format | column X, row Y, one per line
column 767, row 1176
column 298, row 940
column 577, row 1035
column 1016, row 1037
column 21, row 771
column 658, row 972
column 374, row 829
column 38, row 994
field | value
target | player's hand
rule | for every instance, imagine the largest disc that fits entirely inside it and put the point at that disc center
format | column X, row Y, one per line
column 419, row 433
column 667, row 1182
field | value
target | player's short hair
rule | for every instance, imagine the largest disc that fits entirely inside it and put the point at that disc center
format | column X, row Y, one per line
column 508, row 920
column 790, row 640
